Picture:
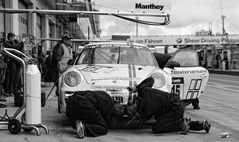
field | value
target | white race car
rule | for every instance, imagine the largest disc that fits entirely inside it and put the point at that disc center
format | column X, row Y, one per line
column 114, row 66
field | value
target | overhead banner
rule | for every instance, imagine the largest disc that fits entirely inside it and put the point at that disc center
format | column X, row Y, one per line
column 185, row 40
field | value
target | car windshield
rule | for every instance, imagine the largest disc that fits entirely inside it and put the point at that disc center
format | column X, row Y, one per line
column 186, row 58
column 117, row 54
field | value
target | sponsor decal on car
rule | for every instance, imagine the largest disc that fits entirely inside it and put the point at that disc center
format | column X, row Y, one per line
column 117, row 78
column 194, row 88
column 119, row 99
column 95, row 69
column 189, row 71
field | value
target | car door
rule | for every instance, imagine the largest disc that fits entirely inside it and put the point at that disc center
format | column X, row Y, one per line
column 188, row 78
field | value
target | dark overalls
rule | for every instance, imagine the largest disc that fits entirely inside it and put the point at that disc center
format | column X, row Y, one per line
column 93, row 108
column 13, row 76
column 166, row 108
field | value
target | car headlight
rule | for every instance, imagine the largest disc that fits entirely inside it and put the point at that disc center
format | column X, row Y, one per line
column 72, row 78
column 159, row 80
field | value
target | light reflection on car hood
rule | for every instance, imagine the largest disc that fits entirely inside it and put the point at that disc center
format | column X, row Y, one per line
column 115, row 74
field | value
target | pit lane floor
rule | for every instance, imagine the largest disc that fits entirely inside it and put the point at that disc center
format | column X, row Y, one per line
column 219, row 105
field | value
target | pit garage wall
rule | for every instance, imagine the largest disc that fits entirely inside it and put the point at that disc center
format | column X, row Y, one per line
column 15, row 23
column 22, row 19
column 1, row 17
column 35, row 24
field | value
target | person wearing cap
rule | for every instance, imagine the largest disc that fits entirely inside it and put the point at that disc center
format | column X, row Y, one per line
column 62, row 53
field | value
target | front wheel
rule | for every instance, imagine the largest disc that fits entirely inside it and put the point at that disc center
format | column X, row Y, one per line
column 59, row 105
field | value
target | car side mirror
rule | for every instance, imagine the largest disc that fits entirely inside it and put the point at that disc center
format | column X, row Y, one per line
column 172, row 64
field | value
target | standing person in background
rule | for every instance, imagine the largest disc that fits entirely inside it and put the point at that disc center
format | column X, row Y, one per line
column 48, row 67
column 218, row 59
column 209, row 60
column 200, row 58
column 225, row 59
column 205, row 63
column 13, row 67
column 3, row 67
column 62, row 53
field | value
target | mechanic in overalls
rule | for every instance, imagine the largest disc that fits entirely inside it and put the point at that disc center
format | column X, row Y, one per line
column 166, row 108
column 90, row 112
column 62, row 53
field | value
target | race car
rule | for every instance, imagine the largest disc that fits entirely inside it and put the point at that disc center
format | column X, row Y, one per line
column 188, row 78
column 115, row 66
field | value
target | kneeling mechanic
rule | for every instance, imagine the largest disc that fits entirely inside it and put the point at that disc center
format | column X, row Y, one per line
column 167, row 109
column 91, row 112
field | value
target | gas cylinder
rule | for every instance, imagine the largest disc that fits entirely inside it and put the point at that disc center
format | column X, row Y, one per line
column 33, row 94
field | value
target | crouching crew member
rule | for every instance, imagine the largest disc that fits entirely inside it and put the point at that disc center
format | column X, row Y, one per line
column 166, row 108
column 91, row 111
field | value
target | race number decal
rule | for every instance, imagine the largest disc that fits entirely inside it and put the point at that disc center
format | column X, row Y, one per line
column 176, row 89
column 177, row 83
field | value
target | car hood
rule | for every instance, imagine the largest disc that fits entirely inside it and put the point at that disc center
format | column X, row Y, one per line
column 115, row 74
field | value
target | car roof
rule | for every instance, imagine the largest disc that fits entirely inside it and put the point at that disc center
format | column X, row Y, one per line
column 115, row 43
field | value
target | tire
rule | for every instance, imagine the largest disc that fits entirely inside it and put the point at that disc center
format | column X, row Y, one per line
column 14, row 126
column 58, row 106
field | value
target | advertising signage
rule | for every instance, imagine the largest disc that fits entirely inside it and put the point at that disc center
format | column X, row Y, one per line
column 186, row 40
column 150, row 6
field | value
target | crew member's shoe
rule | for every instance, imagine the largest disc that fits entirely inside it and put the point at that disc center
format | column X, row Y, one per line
column 80, row 129
column 206, row 126
column 196, row 107
column 195, row 103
